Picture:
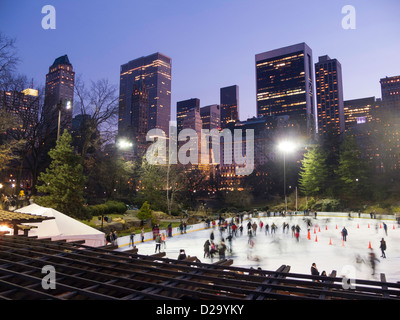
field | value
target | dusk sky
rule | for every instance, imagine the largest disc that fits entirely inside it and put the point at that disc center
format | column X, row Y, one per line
column 212, row 43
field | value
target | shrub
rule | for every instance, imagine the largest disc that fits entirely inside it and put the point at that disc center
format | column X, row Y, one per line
column 145, row 212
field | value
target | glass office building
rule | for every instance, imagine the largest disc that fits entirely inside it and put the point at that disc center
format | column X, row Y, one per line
column 182, row 111
column 155, row 71
column 229, row 104
column 284, row 85
column 329, row 89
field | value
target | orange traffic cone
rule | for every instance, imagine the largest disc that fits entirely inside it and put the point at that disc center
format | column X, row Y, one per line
column 330, row 241
column 368, row 225
column 319, row 229
column 336, row 226
column 393, row 227
column 316, row 239
column 369, row 246
column 358, row 227
column 326, row 227
column 309, row 236
column 314, row 231
column 342, row 243
column 380, row 226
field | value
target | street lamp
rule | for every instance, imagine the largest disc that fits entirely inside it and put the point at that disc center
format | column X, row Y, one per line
column 67, row 107
column 285, row 146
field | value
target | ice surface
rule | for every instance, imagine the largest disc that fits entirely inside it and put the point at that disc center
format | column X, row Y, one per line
column 271, row 251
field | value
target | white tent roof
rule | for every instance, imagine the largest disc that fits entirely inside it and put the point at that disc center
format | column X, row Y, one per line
column 62, row 227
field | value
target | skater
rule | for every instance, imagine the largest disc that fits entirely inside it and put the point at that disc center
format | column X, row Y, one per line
column 267, row 228
column 221, row 250
column 206, row 249
column 158, row 243
column 297, row 234
column 169, row 230
column 383, row 248
column 229, row 238
column 213, row 249
column 131, row 238
column 254, row 226
column 241, row 229
column 163, row 240
column 372, row 259
column 142, row 234
column 385, row 228
column 344, row 234
column 212, row 236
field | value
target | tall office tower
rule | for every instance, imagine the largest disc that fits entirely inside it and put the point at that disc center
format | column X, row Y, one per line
column 136, row 126
column 284, row 82
column 59, row 89
column 182, row 110
column 390, row 87
column 229, row 102
column 155, row 71
column 329, row 89
column 211, row 116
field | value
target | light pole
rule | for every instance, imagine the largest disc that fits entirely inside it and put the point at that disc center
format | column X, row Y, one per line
column 67, row 107
column 285, row 146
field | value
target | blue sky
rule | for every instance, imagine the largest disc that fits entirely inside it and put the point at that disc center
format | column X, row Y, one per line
column 212, row 43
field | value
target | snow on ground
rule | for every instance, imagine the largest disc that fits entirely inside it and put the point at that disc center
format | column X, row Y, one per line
column 273, row 251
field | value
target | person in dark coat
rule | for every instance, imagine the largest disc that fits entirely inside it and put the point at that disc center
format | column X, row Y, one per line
column 314, row 270
column 344, row 233
column 383, row 248
column 207, row 249
column 182, row 255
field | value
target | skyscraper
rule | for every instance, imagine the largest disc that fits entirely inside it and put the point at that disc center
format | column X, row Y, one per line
column 182, row 110
column 390, row 87
column 59, row 89
column 211, row 116
column 155, row 71
column 138, row 124
column 284, row 82
column 329, row 88
column 229, row 104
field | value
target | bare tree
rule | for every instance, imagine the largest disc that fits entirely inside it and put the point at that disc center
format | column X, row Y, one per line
column 8, row 63
column 100, row 104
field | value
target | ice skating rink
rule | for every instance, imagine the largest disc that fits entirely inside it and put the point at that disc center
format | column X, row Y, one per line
column 325, row 246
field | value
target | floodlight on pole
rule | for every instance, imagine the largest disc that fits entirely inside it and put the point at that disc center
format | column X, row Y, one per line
column 285, row 146
column 68, row 105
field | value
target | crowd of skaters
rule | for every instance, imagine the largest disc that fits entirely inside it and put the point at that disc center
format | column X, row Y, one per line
column 234, row 227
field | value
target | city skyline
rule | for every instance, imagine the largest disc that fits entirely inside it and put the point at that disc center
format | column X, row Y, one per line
column 204, row 61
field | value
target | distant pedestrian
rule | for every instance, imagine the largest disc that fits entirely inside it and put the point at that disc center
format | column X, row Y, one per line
column 142, row 234
column 383, row 248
